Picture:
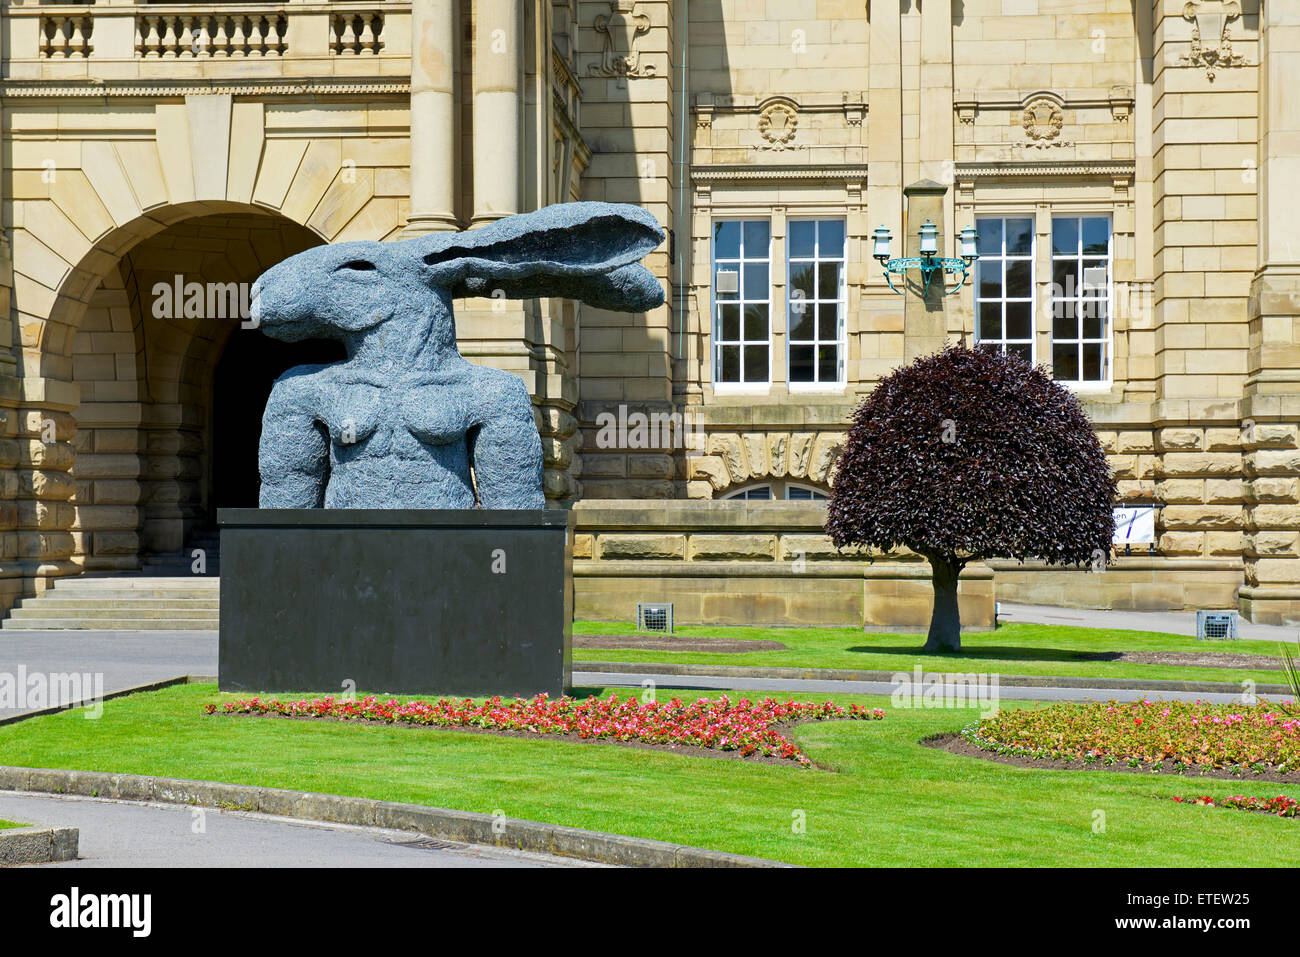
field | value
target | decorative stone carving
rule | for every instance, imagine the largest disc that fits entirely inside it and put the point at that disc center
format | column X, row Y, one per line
column 1211, row 46
column 778, row 122
column 1042, row 119
column 734, row 459
column 1121, row 103
column 855, row 108
column 401, row 422
column 620, row 29
column 777, row 445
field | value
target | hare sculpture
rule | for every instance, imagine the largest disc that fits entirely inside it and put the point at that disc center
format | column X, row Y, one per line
column 403, row 421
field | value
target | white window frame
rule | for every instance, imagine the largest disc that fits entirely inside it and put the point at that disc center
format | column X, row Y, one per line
column 1107, row 338
column 716, row 341
column 777, row 491
column 742, row 494
column 822, row 496
column 841, row 302
column 1003, row 298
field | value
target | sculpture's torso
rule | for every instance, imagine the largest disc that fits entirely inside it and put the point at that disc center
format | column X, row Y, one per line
column 401, row 441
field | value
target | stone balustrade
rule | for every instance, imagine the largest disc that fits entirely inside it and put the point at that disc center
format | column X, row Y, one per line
column 356, row 33
column 244, row 33
column 207, row 32
column 66, row 35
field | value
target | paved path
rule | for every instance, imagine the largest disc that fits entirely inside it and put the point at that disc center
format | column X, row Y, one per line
column 124, row 658
column 600, row 679
column 1170, row 622
column 127, row 659
column 123, row 834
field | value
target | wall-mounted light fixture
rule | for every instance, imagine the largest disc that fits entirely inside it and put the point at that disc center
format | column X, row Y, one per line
column 929, row 261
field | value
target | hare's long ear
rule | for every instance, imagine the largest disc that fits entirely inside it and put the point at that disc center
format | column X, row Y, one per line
column 586, row 251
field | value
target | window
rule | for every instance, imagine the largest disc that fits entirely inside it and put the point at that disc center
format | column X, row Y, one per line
column 1081, row 253
column 815, row 264
column 768, row 493
column 759, row 493
column 742, row 287
column 1004, row 284
column 802, row 493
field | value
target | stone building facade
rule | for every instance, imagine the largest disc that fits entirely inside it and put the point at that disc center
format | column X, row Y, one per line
column 1128, row 164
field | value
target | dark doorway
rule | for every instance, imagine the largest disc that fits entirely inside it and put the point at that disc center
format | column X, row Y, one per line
column 242, row 383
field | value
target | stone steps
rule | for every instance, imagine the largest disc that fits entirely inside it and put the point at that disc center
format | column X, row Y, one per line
column 159, row 609
column 121, row 603
column 115, row 624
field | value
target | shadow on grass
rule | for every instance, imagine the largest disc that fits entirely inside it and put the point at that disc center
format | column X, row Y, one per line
column 985, row 652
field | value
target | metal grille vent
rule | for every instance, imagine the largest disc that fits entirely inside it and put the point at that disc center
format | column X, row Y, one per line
column 657, row 616
column 430, row 844
column 1216, row 625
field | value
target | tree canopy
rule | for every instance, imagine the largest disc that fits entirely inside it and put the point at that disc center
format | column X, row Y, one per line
column 969, row 454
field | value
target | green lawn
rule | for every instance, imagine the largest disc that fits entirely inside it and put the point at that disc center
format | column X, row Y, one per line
column 892, row 801
column 1013, row 649
column 5, row 825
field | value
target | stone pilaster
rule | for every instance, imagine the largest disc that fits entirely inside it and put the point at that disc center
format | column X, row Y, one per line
column 924, row 319
column 1272, row 403
column 881, row 337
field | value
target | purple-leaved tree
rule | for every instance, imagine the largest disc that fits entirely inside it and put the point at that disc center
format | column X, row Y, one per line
column 969, row 454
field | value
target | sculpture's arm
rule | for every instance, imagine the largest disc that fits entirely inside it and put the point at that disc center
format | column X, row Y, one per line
column 505, row 448
column 293, row 455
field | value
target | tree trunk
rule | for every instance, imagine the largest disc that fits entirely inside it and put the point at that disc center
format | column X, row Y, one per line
column 945, row 619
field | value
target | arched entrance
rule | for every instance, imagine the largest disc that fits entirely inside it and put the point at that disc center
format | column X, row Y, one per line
column 173, row 386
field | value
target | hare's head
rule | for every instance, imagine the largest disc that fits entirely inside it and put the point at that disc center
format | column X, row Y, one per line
column 584, row 251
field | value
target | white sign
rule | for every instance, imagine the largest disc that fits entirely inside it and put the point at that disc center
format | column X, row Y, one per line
column 1135, row 524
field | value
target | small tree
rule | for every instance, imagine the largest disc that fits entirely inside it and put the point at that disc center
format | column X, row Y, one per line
column 969, row 454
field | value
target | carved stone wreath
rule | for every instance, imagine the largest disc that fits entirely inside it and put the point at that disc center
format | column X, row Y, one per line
column 1042, row 120
column 777, row 125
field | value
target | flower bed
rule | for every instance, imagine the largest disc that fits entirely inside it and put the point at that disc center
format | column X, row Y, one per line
column 1168, row 735
column 745, row 727
column 1281, row 805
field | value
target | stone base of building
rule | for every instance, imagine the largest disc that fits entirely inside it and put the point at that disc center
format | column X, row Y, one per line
column 1271, row 606
column 749, row 563
column 892, row 596
column 1137, row 583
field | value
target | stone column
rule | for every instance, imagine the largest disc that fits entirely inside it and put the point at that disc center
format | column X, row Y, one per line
column 1271, row 409
column 434, row 29
column 924, row 323
column 496, row 110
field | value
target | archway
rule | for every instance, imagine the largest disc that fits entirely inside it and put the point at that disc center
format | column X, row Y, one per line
column 154, row 403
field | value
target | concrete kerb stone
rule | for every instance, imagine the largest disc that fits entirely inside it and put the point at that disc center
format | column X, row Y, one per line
column 846, row 674
column 37, row 845
column 460, row 826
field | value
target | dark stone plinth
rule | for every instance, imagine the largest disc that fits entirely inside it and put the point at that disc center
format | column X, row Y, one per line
column 408, row 601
